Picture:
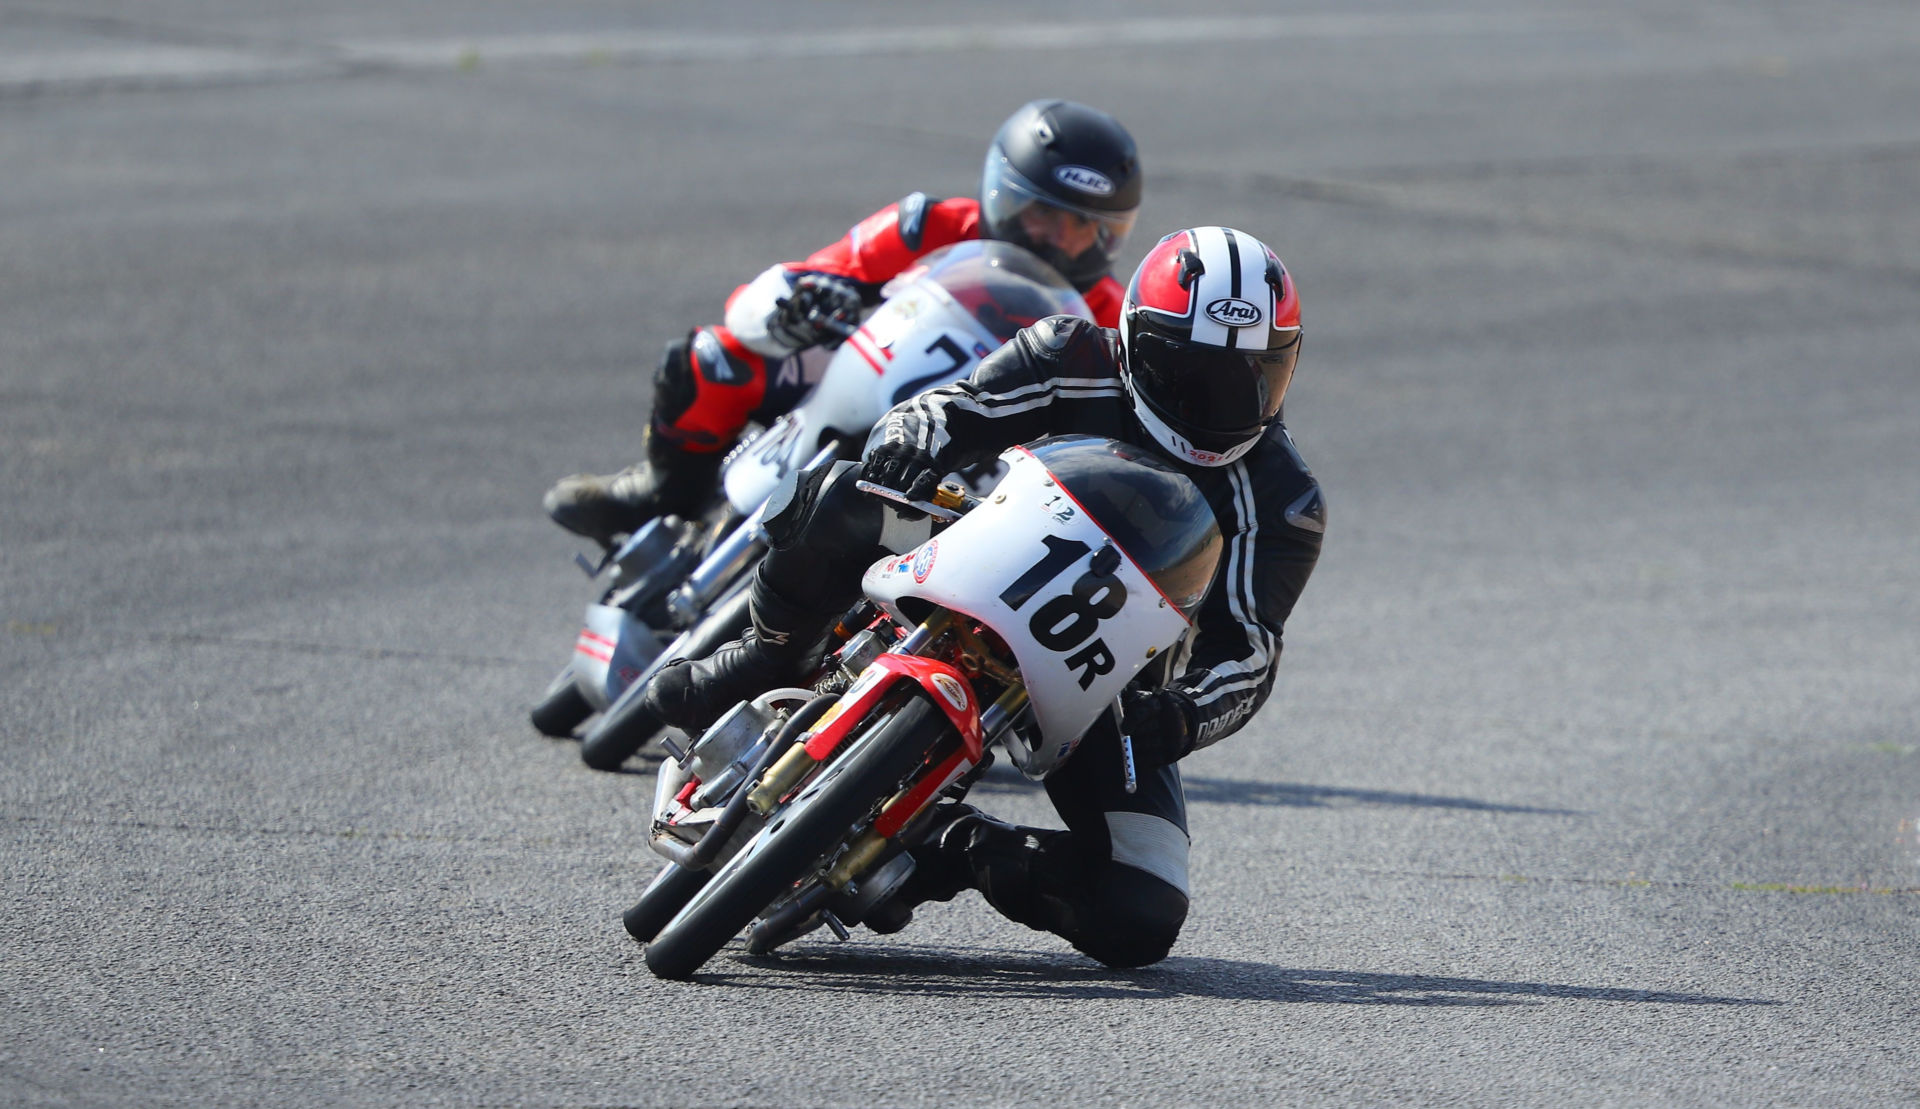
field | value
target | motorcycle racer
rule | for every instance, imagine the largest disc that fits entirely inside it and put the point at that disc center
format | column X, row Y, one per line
column 1061, row 180
column 1208, row 340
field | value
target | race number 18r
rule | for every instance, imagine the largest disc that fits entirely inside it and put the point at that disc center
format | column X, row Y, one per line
column 1064, row 622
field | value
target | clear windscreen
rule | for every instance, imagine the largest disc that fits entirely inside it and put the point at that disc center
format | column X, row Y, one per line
column 1154, row 513
column 999, row 284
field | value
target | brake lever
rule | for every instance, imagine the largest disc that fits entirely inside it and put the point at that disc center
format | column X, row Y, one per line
column 944, row 515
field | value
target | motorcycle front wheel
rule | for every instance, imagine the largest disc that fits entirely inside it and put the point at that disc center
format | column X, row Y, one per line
column 669, row 892
column 798, row 838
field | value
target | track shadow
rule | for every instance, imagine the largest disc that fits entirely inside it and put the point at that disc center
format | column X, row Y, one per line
column 1004, row 779
column 1228, row 791
column 975, row 972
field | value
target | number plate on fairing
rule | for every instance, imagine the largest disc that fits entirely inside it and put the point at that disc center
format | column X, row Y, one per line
column 1032, row 565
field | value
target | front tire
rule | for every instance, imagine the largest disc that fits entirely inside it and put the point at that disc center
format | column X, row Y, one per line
column 798, row 838
column 670, row 891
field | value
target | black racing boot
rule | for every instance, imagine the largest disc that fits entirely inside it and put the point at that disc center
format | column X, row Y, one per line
column 941, row 869
column 671, row 480
column 691, row 694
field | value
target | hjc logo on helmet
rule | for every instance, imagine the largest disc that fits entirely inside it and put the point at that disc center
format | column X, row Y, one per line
column 1085, row 179
column 1233, row 312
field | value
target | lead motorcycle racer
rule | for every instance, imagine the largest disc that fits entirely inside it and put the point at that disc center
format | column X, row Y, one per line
column 1061, row 180
column 1209, row 334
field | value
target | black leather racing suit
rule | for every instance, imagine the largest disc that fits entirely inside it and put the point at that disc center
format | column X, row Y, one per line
column 1114, row 884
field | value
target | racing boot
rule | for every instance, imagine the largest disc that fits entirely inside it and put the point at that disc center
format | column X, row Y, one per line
column 671, row 480
column 691, row 694
column 940, row 866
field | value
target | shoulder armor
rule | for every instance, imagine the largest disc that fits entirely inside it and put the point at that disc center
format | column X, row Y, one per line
column 913, row 220
column 1282, row 478
column 1053, row 333
column 1308, row 512
column 1072, row 347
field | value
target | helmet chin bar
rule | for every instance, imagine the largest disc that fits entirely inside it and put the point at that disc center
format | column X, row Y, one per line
column 1175, row 443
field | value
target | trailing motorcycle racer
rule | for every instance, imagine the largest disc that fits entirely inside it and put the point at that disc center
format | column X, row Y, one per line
column 1061, row 179
column 1208, row 340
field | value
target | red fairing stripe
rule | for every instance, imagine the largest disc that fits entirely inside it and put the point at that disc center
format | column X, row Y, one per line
column 966, row 720
column 595, row 646
column 863, row 346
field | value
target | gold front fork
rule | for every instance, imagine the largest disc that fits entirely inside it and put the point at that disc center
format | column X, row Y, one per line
column 793, row 767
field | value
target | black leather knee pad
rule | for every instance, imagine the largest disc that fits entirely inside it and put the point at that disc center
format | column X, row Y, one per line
column 792, row 501
column 1133, row 920
column 1119, row 915
column 819, row 509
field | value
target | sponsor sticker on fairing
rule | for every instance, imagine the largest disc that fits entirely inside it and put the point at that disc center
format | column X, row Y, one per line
column 951, row 689
column 923, row 561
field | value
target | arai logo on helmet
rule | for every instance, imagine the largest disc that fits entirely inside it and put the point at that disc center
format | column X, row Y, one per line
column 1085, row 179
column 1233, row 312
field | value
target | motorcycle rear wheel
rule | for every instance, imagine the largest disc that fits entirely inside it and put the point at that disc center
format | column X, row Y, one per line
column 798, row 838
column 561, row 708
column 623, row 729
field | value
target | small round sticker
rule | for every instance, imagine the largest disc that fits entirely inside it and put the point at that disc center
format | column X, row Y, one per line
column 923, row 560
column 952, row 690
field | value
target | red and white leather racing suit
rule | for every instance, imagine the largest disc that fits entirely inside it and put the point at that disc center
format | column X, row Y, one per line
column 720, row 377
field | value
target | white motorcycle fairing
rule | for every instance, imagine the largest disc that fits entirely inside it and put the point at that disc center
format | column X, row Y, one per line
column 1033, row 565
column 941, row 317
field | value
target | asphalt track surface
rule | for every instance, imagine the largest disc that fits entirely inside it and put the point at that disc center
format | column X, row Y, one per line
column 1593, row 772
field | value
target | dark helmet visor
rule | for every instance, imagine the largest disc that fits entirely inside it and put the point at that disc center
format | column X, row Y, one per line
column 1079, row 241
column 1207, row 391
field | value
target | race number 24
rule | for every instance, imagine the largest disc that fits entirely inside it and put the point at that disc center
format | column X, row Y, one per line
column 1068, row 620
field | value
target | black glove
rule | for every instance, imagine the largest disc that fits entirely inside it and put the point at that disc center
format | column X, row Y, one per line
column 902, row 467
column 1160, row 723
column 822, row 310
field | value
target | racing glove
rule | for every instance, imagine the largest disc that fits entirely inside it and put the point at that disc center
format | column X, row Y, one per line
column 1160, row 723
column 822, row 310
column 903, row 467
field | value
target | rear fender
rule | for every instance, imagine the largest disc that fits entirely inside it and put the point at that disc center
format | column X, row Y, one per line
column 611, row 651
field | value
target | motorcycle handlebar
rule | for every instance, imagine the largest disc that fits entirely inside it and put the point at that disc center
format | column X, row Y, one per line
column 938, row 512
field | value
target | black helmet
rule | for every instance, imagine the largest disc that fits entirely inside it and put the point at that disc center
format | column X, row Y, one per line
column 1063, row 181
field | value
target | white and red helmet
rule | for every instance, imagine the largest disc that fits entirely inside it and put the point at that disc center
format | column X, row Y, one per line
column 1211, row 327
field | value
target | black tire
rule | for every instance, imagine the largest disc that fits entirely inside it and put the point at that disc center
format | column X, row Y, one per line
column 561, row 709
column 670, row 891
column 623, row 729
column 797, row 838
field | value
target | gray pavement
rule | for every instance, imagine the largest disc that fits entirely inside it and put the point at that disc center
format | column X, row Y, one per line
column 1593, row 775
